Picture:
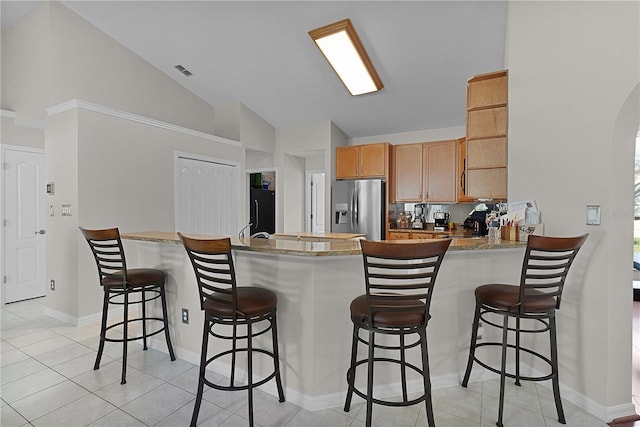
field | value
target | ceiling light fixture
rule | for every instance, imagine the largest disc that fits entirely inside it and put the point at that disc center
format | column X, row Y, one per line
column 341, row 46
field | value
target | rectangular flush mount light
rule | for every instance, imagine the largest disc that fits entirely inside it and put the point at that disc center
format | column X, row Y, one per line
column 341, row 46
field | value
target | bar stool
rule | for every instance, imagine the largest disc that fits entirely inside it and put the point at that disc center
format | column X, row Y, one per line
column 544, row 270
column 119, row 284
column 399, row 281
column 226, row 304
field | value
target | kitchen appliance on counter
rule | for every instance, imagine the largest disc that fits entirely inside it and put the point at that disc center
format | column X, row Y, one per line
column 358, row 206
column 441, row 221
column 419, row 216
column 477, row 220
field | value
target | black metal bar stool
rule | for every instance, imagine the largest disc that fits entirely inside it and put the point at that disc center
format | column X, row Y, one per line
column 225, row 304
column 399, row 281
column 544, row 270
column 119, row 285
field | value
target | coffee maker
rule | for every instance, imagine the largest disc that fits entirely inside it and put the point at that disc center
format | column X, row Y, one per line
column 477, row 220
column 441, row 220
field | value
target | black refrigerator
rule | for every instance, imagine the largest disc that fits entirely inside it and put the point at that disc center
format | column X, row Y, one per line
column 262, row 211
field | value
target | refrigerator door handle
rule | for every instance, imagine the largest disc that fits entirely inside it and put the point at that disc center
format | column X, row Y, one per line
column 356, row 202
column 255, row 202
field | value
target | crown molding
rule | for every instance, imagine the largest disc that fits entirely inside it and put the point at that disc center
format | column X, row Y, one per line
column 79, row 104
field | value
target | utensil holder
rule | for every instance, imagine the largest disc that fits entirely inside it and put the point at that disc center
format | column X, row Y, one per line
column 510, row 232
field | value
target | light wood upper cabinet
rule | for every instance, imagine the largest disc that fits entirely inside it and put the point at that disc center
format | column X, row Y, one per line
column 408, row 180
column 362, row 161
column 440, row 172
column 426, row 172
column 486, row 150
column 487, row 90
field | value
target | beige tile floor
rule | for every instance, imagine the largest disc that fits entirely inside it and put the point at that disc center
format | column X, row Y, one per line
column 47, row 379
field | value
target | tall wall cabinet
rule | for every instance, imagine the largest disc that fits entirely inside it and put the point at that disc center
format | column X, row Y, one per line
column 486, row 141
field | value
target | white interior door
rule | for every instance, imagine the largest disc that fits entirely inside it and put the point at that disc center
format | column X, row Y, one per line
column 206, row 195
column 315, row 202
column 24, row 233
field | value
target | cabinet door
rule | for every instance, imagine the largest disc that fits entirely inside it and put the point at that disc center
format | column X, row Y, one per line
column 440, row 171
column 347, row 159
column 487, row 153
column 487, row 123
column 374, row 160
column 488, row 183
column 408, row 172
column 396, row 235
column 487, row 90
column 463, row 193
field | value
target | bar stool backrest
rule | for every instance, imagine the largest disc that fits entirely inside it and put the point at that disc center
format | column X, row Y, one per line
column 107, row 250
column 213, row 266
column 546, row 264
column 399, row 274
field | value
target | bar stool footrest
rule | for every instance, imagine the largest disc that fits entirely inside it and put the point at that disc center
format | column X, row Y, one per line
column 511, row 375
column 417, row 400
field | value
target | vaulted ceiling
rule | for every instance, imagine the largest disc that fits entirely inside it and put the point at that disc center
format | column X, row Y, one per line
column 258, row 53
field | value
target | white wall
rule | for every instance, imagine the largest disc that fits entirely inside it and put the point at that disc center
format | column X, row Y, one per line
column 54, row 55
column 293, row 145
column 13, row 134
column 572, row 67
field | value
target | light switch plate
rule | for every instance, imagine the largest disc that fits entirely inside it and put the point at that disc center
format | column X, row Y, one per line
column 593, row 214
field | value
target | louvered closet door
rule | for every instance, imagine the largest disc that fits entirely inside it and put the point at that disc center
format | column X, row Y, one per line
column 208, row 197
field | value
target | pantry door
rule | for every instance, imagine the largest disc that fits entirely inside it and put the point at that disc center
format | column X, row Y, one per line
column 206, row 196
column 24, row 221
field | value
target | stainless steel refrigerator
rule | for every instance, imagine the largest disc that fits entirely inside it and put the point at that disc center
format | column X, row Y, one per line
column 358, row 206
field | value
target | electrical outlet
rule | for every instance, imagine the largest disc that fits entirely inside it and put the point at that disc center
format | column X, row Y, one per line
column 53, row 285
column 185, row 315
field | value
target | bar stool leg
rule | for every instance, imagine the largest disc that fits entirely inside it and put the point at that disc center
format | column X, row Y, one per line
column 518, row 351
column 233, row 354
column 250, row 372
column 276, row 356
column 426, row 378
column 144, row 320
column 472, row 346
column 503, row 369
column 351, row 372
column 125, row 338
column 554, row 366
column 201, row 374
column 165, row 317
column 103, row 329
column 371, row 362
column 403, row 369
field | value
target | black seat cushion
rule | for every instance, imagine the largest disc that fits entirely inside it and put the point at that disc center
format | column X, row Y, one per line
column 252, row 301
column 409, row 318
column 136, row 277
column 506, row 297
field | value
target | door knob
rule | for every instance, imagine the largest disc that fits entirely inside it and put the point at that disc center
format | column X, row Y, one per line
column 41, row 232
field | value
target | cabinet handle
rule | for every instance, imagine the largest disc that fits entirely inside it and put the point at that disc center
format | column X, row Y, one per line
column 462, row 180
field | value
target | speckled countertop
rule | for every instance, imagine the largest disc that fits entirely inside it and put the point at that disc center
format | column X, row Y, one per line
column 332, row 247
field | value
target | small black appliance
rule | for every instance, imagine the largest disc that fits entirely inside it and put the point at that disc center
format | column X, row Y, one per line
column 477, row 220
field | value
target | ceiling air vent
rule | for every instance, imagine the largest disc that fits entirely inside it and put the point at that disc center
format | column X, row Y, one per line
column 183, row 70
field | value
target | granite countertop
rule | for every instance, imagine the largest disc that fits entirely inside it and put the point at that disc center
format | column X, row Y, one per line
column 331, row 247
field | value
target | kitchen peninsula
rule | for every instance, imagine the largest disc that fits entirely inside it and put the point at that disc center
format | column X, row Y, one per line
column 315, row 282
